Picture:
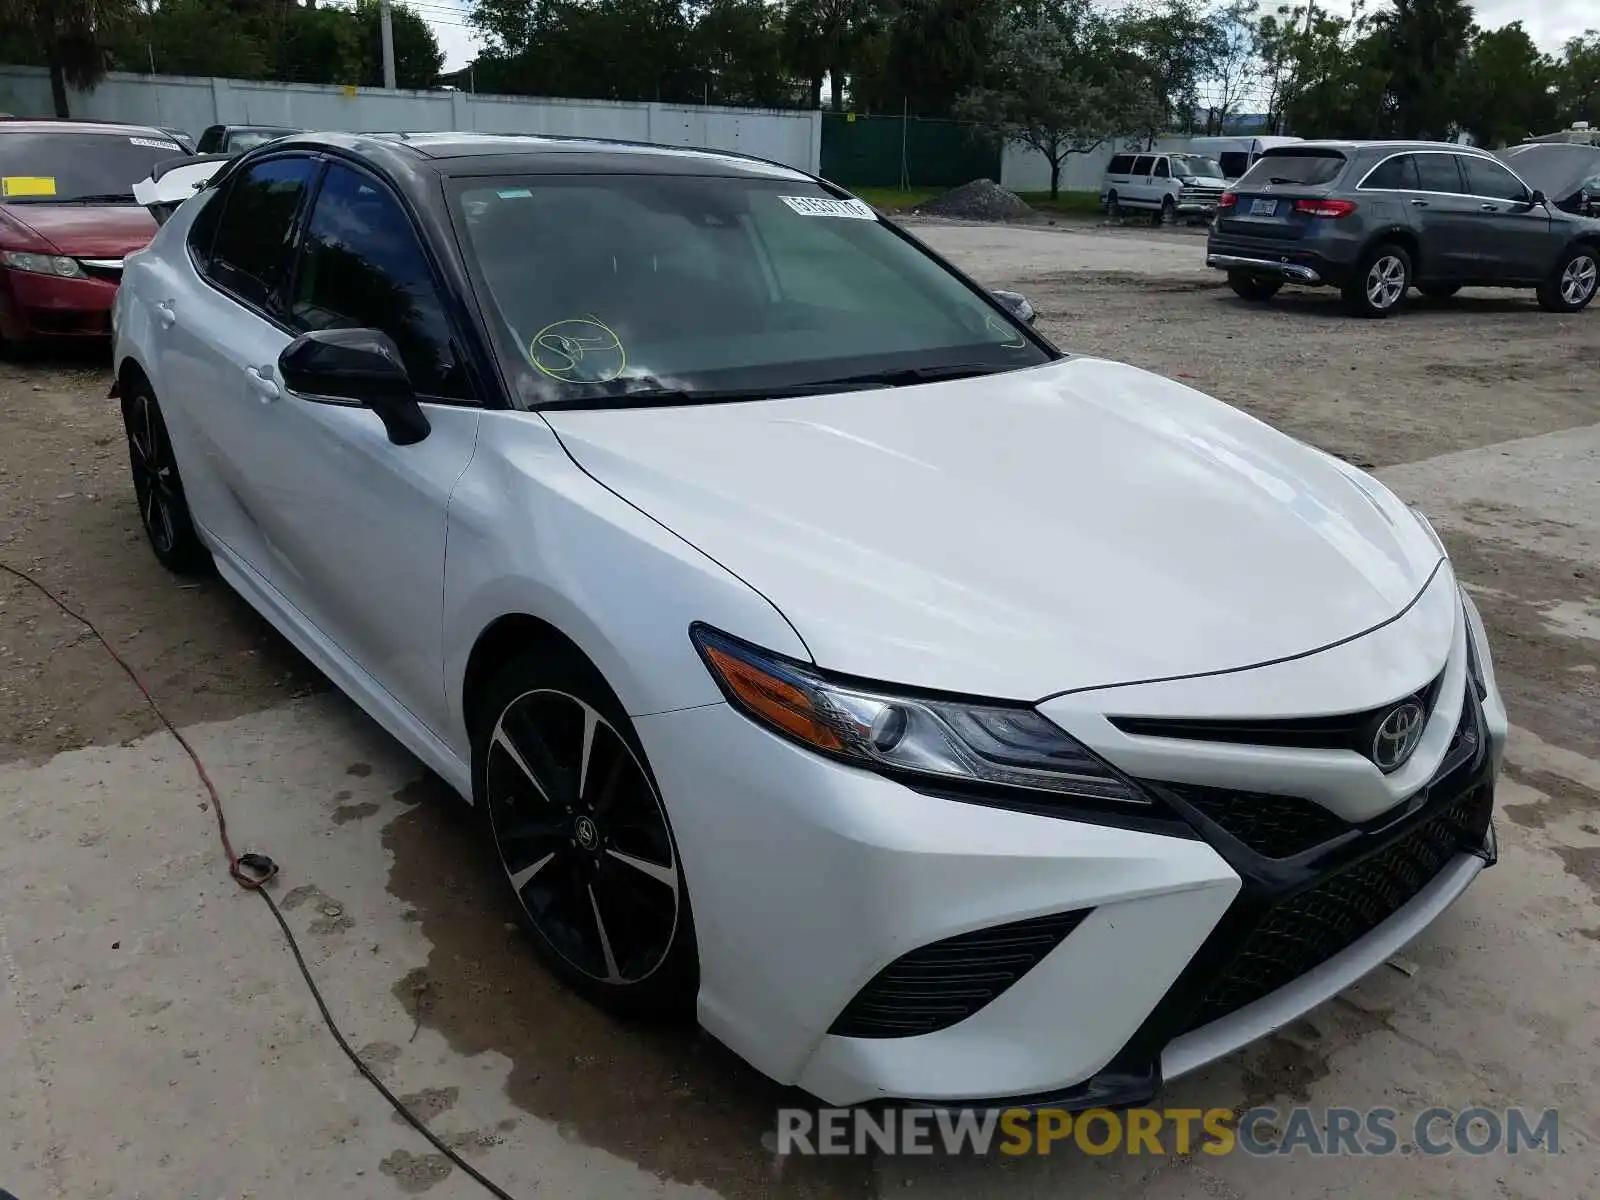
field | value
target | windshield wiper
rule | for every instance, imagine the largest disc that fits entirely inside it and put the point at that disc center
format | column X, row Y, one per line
column 650, row 396
column 99, row 198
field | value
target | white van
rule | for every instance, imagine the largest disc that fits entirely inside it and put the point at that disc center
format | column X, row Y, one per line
column 1237, row 154
column 1166, row 184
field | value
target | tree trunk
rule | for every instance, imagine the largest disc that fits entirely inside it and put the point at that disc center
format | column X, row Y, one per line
column 816, row 91
column 836, row 85
column 58, row 85
column 1055, row 178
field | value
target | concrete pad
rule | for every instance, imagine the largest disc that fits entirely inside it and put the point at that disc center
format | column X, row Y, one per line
column 1012, row 252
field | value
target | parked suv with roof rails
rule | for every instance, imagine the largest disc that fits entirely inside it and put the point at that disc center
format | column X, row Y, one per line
column 1376, row 219
column 1167, row 185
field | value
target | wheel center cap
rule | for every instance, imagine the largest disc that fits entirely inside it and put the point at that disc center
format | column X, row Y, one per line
column 587, row 834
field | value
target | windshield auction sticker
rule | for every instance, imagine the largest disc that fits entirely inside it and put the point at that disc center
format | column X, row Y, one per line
column 817, row 206
column 155, row 145
column 13, row 186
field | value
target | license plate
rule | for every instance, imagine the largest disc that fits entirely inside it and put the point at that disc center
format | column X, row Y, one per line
column 1263, row 208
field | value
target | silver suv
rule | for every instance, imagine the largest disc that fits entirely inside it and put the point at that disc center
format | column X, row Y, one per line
column 1376, row 219
column 1167, row 185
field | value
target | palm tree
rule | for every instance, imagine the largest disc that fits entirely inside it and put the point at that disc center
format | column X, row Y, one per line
column 70, row 36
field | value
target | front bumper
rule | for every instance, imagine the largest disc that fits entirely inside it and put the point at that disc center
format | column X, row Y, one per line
column 811, row 882
column 35, row 307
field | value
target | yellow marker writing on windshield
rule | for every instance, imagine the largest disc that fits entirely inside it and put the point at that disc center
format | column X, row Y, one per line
column 13, row 186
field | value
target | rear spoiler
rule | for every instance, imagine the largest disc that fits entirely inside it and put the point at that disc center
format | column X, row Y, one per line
column 174, row 180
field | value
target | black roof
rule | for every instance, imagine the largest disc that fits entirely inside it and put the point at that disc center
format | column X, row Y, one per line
column 530, row 154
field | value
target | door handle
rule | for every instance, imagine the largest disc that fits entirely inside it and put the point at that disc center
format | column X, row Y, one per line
column 166, row 314
column 1419, row 204
column 1489, row 207
column 262, row 383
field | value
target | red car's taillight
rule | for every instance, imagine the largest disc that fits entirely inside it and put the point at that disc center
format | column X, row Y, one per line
column 1333, row 209
column 1227, row 200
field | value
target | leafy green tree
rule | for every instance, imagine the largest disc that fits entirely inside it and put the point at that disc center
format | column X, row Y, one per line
column 70, row 37
column 1179, row 44
column 1507, row 87
column 827, row 37
column 1423, row 44
column 1057, row 83
column 192, row 37
column 737, row 50
column 929, row 53
column 1577, row 81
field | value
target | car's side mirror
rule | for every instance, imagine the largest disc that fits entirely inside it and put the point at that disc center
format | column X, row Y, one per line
column 1538, row 198
column 356, row 366
column 1017, row 305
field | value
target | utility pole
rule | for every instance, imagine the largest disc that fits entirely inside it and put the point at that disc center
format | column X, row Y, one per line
column 386, row 23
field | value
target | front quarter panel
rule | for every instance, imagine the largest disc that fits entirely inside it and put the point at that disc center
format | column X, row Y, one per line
column 530, row 533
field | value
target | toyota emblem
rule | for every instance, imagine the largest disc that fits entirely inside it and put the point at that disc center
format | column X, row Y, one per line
column 1398, row 736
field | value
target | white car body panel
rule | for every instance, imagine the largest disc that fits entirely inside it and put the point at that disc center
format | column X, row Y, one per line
column 936, row 536
column 1082, row 535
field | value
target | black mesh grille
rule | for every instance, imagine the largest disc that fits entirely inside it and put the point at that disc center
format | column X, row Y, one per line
column 1312, row 926
column 937, row 985
column 1272, row 826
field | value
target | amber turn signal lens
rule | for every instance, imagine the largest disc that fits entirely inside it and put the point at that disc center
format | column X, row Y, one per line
column 780, row 703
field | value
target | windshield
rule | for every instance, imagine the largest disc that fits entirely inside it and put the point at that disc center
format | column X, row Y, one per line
column 1196, row 166
column 610, row 287
column 71, row 165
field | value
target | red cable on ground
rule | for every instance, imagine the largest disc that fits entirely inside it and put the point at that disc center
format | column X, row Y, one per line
column 252, row 872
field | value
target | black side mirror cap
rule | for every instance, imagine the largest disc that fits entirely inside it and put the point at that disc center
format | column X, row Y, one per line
column 1017, row 305
column 1538, row 198
column 356, row 366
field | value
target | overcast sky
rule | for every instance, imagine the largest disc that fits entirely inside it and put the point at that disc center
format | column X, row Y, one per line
column 1548, row 22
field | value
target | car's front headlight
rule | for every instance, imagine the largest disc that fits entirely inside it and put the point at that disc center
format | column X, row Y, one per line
column 42, row 264
column 967, row 742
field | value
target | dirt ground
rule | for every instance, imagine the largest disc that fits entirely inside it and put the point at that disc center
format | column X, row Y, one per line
column 1483, row 409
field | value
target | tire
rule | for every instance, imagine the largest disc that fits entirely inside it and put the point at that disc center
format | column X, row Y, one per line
column 1113, row 206
column 158, row 487
column 1572, row 285
column 1378, row 287
column 584, row 845
column 1438, row 291
column 1167, row 214
column 1256, row 288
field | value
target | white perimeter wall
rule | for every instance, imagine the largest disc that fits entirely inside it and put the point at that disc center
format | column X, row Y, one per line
column 191, row 104
column 1023, row 169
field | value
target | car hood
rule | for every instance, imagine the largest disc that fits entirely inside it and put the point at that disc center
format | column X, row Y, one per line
column 86, row 230
column 1075, row 525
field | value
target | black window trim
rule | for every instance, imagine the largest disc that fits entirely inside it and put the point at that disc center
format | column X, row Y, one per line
column 1459, row 156
column 458, row 344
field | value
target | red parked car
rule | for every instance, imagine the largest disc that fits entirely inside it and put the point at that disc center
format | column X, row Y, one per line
column 67, row 219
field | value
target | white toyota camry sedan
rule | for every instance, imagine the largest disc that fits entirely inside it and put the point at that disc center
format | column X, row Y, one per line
column 937, row 715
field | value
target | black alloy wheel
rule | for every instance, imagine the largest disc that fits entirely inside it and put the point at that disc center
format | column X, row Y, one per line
column 584, row 842
column 157, row 486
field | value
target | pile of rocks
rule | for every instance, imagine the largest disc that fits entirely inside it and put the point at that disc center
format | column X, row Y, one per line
column 980, row 200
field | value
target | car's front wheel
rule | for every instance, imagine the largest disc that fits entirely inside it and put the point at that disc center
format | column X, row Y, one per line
column 157, row 486
column 1257, row 288
column 1113, row 206
column 1572, row 285
column 1379, row 286
column 582, row 836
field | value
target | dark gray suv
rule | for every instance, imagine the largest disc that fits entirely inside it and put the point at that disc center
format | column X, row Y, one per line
column 1375, row 219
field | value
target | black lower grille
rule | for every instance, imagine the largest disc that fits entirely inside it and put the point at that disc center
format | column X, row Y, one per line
column 1272, row 826
column 1311, row 926
column 936, row 985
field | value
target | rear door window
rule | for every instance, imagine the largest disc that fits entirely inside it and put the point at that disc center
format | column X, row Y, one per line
column 1440, row 173
column 1398, row 174
column 1307, row 168
column 1162, row 171
column 251, row 253
column 1122, row 164
column 1142, row 164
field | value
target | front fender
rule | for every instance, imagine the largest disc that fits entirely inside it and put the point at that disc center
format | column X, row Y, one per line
column 531, row 533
